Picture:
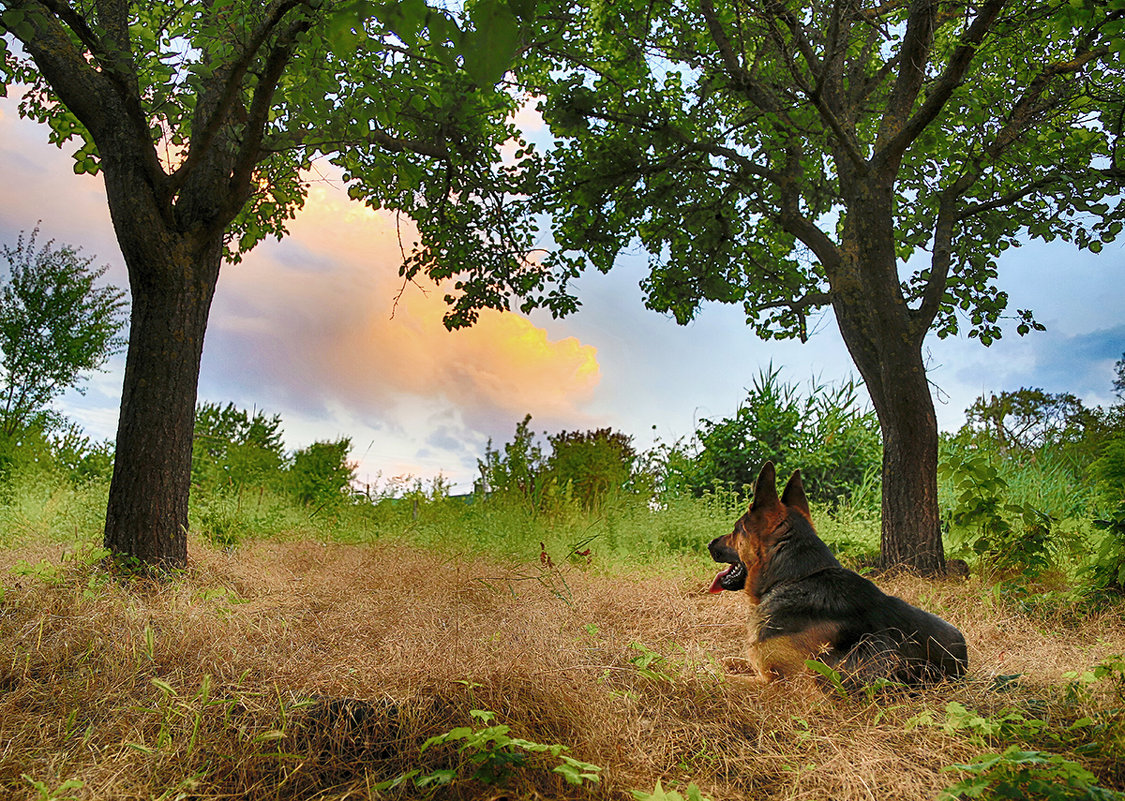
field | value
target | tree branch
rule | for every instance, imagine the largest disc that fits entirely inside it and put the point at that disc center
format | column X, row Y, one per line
column 817, row 94
column 895, row 136
column 934, row 293
column 78, row 84
column 799, row 306
column 231, row 89
column 249, row 151
column 1012, row 197
column 755, row 92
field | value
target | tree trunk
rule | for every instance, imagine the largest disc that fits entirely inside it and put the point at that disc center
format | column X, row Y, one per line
column 147, row 514
column 884, row 339
column 911, row 532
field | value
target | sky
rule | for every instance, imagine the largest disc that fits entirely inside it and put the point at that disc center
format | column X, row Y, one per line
column 318, row 329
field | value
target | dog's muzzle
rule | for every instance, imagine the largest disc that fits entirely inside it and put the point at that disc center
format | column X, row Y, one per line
column 734, row 576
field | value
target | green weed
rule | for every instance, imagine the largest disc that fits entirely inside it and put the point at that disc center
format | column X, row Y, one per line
column 691, row 793
column 1018, row 775
column 490, row 755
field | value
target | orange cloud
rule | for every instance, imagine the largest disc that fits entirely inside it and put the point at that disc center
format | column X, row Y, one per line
column 312, row 316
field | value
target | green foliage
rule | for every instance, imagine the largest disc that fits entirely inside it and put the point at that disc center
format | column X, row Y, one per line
column 825, row 433
column 516, row 470
column 1106, row 571
column 493, row 756
column 44, row 792
column 1107, row 468
column 1018, row 774
column 1022, row 769
column 733, row 159
column 56, row 323
column 379, row 88
column 83, row 458
column 593, row 465
column 321, row 473
column 1006, row 537
column 234, row 449
column 590, row 468
column 692, row 793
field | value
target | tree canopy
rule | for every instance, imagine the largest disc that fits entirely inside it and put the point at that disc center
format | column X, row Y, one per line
column 874, row 158
column 728, row 141
column 402, row 97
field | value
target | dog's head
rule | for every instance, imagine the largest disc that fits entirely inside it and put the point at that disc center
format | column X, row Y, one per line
column 750, row 547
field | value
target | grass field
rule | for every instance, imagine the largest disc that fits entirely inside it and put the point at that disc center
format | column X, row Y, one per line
column 300, row 669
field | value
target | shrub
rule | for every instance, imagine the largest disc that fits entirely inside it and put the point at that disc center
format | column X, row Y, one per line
column 321, row 473
column 1007, row 537
column 592, row 464
column 1106, row 571
column 234, row 449
column 827, row 434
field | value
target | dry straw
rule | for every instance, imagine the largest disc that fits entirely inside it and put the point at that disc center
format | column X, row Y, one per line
column 299, row 670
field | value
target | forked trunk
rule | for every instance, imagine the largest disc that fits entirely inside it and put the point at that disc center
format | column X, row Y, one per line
column 147, row 514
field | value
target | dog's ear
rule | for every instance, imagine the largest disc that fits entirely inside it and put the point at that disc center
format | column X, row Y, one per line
column 765, row 488
column 794, row 494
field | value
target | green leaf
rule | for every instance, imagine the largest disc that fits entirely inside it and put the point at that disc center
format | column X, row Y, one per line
column 491, row 48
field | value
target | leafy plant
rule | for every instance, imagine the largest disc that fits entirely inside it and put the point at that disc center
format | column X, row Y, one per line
column 594, row 465
column 492, row 755
column 233, row 448
column 648, row 662
column 692, row 793
column 825, row 432
column 321, row 473
column 834, row 678
column 1007, row 537
column 1106, row 572
column 61, row 793
column 1017, row 774
column 516, row 470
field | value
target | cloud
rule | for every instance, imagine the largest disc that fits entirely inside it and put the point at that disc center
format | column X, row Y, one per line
column 322, row 321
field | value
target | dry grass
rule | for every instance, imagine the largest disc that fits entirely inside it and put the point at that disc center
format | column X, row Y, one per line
column 299, row 670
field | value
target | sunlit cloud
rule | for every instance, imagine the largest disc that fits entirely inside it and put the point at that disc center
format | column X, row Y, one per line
column 323, row 319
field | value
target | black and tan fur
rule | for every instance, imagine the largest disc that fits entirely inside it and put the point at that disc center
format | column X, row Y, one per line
column 811, row 607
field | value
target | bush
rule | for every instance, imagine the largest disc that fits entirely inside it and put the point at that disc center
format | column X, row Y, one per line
column 1009, row 538
column 592, row 465
column 235, row 449
column 321, row 473
column 827, row 434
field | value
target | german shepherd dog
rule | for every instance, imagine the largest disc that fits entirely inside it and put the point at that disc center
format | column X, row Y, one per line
column 811, row 607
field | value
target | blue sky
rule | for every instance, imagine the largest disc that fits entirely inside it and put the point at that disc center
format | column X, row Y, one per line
column 304, row 328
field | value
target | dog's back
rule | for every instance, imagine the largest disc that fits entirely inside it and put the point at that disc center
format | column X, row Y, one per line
column 874, row 634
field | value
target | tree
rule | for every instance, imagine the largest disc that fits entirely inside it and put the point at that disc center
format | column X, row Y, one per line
column 56, row 323
column 1119, row 378
column 321, row 473
column 1029, row 417
column 234, row 448
column 871, row 158
column 203, row 117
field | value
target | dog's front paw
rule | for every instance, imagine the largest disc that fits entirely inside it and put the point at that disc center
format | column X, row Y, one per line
column 739, row 666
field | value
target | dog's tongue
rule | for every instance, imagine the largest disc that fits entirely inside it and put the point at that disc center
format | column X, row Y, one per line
column 716, row 587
